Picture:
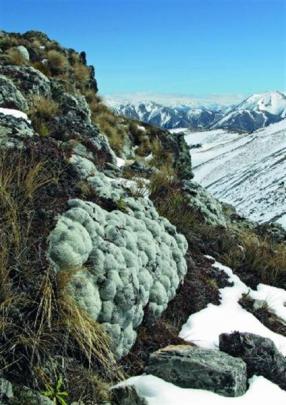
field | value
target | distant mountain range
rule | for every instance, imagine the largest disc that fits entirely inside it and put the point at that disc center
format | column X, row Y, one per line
column 257, row 111
column 246, row 171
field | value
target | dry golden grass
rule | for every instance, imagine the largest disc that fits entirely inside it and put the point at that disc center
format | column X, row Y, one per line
column 41, row 112
column 81, row 72
column 39, row 321
column 260, row 256
column 43, row 107
column 57, row 62
column 115, row 132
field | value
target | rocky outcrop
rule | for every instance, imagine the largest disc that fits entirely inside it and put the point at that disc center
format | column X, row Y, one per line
column 10, row 96
column 13, row 131
column 260, row 355
column 201, row 201
column 30, row 81
column 193, row 367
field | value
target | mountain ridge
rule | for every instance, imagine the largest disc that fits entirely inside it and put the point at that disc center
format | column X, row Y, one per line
column 254, row 112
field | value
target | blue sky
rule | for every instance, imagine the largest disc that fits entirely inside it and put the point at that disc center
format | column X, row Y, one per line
column 187, row 47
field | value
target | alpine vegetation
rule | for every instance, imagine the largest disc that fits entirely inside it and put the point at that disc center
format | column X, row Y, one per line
column 114, row 262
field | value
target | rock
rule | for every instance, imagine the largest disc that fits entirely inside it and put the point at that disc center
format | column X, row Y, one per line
column 202, row 201
column 29, row 81
column 193, row 367
column 6, row 389
column 260, row 355
column 26, row 396
column 140, row 169
column 127, row 396
column 14, row 130
column 70, row 127
column 24, row 52
column 10, row 96
column 75, row 105
column 183, row 161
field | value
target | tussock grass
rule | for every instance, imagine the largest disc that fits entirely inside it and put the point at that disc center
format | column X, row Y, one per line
column 15, row 57
column 260, row 256
column 57, row 62
column 42, row 329
column 41, row 112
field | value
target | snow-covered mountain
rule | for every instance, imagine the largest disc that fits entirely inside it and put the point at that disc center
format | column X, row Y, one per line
column 171, row 116
column 257, row 111
column 245, row 170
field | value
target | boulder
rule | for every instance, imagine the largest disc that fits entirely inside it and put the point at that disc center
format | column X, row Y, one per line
column 10, row 96
column 203, row 202
column 24, row 52
column 259, row 353
column 30, row 81
column 14, row 130
column 75, row 105
column 194, row 367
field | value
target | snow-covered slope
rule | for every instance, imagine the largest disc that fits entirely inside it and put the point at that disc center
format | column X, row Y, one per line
column 176, row 116
column 204, row 328
column 257, row 111
column 246, row 170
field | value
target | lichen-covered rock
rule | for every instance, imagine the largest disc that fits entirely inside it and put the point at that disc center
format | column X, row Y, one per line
column 132, row 259
column 14, row 130
column 202, row 201
column 10, row 96
column 26, row 396
column 183, row 161
column 30, row 81
column 194, row 367
column 259, row 353
column 75, row 105
column 68, row 127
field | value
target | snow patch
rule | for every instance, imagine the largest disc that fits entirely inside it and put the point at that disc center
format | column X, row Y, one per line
column 204, row 327
column 159, row 392
column 14, row 113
